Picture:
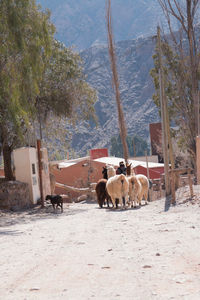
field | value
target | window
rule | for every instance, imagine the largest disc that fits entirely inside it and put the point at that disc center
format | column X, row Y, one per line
column 33, row 169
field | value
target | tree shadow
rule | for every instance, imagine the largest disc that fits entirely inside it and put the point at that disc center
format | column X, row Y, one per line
column 11, row 232
column 191, row 200
column 36, row 213
column 168, row 203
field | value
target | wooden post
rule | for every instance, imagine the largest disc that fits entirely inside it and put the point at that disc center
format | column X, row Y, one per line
column 171, row 154
column 40, row 171
column 173, row 200
column 163, row 117
column 147, row 165
column 150, row 194
column 198, row 124
column 190, row 183
column 198, row 158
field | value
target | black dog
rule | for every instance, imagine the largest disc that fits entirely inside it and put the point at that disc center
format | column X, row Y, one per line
column 55, row 200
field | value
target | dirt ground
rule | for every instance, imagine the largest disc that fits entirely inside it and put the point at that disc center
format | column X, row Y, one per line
column 152, row 252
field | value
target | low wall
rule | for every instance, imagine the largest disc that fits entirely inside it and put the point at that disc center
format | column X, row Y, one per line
column 14, row 195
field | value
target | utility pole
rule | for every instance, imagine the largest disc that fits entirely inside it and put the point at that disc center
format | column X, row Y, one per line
column 163, row 107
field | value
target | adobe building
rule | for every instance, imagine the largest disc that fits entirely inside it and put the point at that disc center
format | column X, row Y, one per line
column 77, row 173
column 81, row 172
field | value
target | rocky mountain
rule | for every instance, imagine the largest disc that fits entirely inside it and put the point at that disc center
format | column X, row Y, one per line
column 134, row 58
column 82, row 22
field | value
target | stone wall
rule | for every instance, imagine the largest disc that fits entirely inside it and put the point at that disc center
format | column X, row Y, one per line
column 14, row 195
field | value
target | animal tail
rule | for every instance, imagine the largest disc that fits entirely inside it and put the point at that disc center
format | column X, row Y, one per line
column 123, row 197
column 132, row 182
column 122, row 182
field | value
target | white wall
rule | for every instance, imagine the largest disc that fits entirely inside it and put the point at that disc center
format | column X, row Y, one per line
column 26, row 170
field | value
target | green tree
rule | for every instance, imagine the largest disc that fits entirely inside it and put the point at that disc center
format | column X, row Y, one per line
column 25, row 37
column 135, row 144
column 39, row 77
column 63, row 90
column 64, row 99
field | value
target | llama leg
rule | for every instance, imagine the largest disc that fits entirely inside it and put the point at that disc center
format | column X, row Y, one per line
column 146, row 197
column 121, row 201
column 113, row 202
column 130, row 202
column 140, row 199
column 135, row 201
column 107, row 200
column 101, row 201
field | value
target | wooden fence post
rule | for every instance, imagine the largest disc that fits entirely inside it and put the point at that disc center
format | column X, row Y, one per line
column 173, row 199
column 198, row 159
column 190, row 183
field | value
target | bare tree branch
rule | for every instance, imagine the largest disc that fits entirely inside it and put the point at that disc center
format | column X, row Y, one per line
column 185, row 15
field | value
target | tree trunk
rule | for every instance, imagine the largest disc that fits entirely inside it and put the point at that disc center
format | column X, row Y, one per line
column 193, row 63
column 7, row 150
column 121, row 120
column 164, row 108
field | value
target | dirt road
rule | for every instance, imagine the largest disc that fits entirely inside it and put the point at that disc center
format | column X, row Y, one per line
column 91, row 253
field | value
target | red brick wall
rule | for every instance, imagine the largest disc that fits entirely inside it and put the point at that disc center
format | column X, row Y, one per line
column 97, row 153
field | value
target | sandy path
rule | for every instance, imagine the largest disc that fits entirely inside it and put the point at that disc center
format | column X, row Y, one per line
column 92, row 253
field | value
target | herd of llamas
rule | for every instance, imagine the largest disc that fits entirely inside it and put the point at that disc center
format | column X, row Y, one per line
column 122, row 189
column 128, row 191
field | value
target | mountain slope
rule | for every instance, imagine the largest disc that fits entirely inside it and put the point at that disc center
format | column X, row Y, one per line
column 82, row 22
column 136, row 87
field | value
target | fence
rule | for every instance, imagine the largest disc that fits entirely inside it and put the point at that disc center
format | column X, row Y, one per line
column 178, row 178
